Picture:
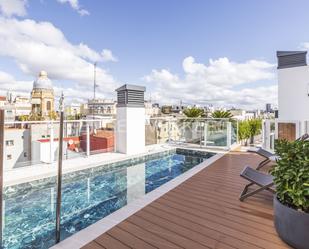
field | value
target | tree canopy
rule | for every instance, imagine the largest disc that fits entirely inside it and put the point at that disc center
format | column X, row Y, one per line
column 221, row 114
column 193, row 112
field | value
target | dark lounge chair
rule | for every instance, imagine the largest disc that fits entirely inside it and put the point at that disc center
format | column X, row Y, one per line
column 266, row 154
column 269, row 156
column 304, row 137
column 262, row 180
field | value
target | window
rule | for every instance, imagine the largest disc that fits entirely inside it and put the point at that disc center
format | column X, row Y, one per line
column 9, row 157
column 9, row 142
column 48, row 105
column 25, row 154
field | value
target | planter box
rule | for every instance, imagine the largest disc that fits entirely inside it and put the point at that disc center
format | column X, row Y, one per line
column 291, row 225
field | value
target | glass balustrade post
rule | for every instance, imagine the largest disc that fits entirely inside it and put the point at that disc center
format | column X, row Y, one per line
column 2, row 117
column 51, row 142
column 205, row 132
column 87, row 139
column 237, row 132
column 59, row 173
column 115, row 134
column 229, row 135
column 200, row 131
column 168, row 131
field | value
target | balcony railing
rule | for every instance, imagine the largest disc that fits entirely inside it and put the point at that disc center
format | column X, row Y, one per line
column 36, row 142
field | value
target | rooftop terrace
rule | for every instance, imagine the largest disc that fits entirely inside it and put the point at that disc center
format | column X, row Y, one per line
column 202, row 212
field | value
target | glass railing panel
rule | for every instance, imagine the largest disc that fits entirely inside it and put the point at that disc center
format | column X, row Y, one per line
column 188, row 131
column 102, row 136
column 74, row 139
column 217, row 132
column 157, row 131
column 152, row 131
column 191, row 131
column 234, row 131
column 30, row 143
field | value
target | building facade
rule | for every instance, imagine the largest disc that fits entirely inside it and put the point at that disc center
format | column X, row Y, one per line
column 103, row 107
column 73, row 109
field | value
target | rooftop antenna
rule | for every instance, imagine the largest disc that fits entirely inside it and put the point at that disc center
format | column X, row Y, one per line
column 94, row 79
column 94, row 87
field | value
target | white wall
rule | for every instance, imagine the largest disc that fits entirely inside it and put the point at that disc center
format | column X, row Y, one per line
column 21, row 138
column 130, row 130
column 41, row 151
column 293, row 99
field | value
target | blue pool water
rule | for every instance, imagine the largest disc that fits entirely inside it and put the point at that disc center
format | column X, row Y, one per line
column 87, row 197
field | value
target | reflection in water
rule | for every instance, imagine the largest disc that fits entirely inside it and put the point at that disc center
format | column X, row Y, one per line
column 87, row 197
column 135, row 182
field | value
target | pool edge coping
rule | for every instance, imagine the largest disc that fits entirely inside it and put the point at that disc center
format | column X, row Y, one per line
column 93, row 231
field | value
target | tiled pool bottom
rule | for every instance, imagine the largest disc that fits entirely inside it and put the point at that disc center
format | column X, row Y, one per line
column 87, row 196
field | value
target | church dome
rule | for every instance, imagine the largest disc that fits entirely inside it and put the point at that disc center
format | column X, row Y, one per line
column 43, row 82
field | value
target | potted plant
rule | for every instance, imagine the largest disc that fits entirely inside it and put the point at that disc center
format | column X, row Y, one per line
column 291, row 203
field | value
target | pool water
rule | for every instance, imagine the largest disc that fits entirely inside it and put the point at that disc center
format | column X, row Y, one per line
column 86, row 198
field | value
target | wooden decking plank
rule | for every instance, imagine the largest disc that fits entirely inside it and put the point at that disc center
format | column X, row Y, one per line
column 198, row 228
column 182, row 230
column 93, row 245
column 110, row 242
column 220, row 211
column 251, row 239
column 227, row 198
column 222, row 221
column 149, row 237
column 129, row 239
column 222, row 208
column 252, row 203
column 222, row 228
column 166, row 233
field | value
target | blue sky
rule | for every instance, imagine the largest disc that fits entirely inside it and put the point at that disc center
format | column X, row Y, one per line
column 153, row 43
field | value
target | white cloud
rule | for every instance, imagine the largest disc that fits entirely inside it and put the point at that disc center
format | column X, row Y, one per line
column 10, row 8
column 76, row 6
column 107, row 55
column 40, row 45
column 218, row 83
column 9, row 83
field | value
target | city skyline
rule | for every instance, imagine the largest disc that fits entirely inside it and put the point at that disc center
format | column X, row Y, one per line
column 179, row 50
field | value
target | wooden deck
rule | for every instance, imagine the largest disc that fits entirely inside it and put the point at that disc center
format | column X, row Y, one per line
column 203, row 212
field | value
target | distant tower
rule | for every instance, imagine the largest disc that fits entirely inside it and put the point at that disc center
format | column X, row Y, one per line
column 42, row 96
column 268, row 108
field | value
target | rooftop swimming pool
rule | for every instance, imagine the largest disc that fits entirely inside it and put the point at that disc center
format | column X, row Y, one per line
column 87, row 196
